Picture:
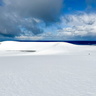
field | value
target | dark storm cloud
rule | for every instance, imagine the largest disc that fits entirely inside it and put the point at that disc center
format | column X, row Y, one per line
column 21, row 17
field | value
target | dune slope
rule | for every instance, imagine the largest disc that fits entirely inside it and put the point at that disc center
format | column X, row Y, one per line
column 43, row 48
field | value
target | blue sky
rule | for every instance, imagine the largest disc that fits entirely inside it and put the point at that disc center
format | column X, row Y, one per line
column 48, row 19
column 74, row 5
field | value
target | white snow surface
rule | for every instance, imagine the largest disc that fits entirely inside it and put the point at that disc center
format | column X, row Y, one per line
column 55, row 69
column 8, row 48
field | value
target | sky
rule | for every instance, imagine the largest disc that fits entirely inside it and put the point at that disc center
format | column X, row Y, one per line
column 48, row 19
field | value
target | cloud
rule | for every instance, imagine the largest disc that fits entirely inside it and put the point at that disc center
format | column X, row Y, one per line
column 29, row 37
column 23, row 17
column 43, row 9
column 78, row 26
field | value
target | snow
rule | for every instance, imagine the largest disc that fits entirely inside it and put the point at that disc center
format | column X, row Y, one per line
column 43, row 48
column 55, row 69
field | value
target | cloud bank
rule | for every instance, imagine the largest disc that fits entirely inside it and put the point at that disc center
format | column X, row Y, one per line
column 23, row 17
column 78, row 26
column 41, row 19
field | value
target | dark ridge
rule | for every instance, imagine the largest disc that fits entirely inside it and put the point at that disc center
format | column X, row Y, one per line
column 23, row 50
column 27, row 50
column 72, row 42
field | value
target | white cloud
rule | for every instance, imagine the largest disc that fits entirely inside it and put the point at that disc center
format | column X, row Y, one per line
column 81, row 25
column 29, row 37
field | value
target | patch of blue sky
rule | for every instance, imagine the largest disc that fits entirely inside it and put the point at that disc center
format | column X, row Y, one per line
column 1, row 3
column 71, row 6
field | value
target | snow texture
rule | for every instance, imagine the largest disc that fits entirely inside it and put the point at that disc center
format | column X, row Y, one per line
column 55, row 69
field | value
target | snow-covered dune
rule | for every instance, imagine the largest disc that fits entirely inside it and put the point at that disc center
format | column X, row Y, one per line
column 47, row 69
column 42, row 48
